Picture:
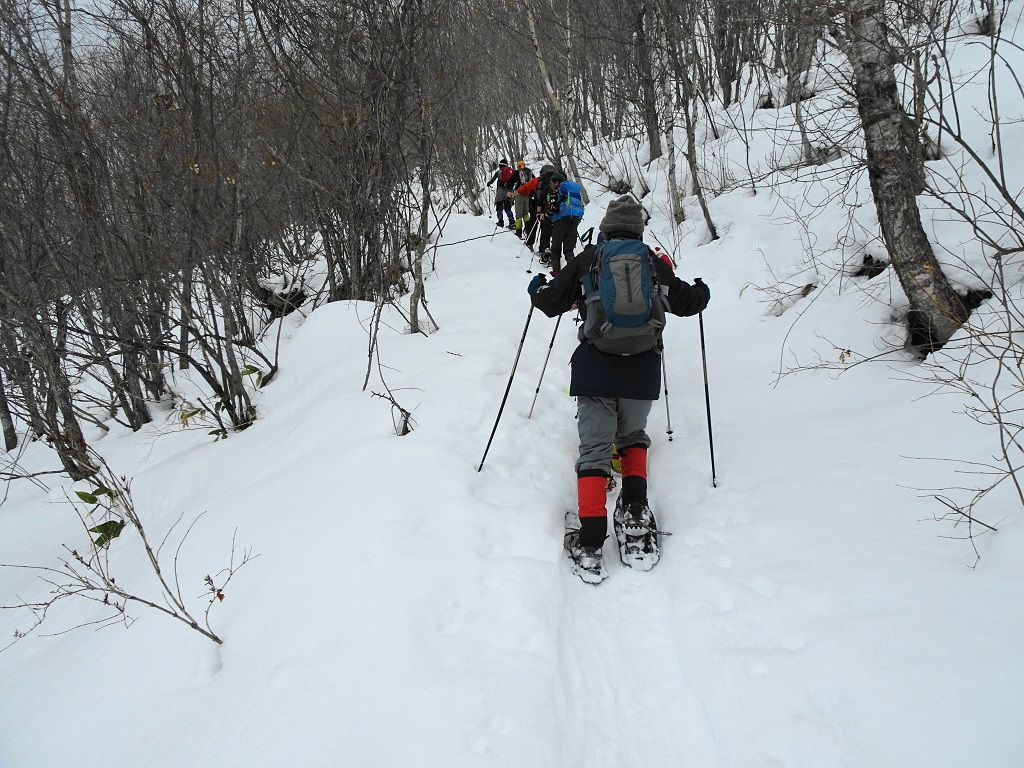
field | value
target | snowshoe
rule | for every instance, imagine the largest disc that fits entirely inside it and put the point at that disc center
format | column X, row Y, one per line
column 585, row 562
column 637, row 534
column 545, row 258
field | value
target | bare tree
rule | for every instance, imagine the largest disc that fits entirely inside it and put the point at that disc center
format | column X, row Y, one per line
column 7, row 419
column 894, row 166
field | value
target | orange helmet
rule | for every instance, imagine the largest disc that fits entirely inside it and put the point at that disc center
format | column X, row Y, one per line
column 520, row 164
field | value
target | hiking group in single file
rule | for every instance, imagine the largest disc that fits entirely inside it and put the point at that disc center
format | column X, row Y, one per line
column 548, row 205
column 623, row 291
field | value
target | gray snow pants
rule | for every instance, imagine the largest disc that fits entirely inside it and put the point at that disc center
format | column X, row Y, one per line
column 604, row 421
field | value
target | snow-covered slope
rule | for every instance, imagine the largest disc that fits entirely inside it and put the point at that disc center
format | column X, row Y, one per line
column 407, row 609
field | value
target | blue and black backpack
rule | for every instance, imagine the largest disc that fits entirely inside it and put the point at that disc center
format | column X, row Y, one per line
column 624, row 303
column 570, row 200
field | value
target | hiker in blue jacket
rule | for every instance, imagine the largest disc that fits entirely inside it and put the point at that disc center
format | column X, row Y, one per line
column 615, row 393
column 565, row 221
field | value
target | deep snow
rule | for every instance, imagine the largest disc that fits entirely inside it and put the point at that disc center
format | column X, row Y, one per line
column 406, row 609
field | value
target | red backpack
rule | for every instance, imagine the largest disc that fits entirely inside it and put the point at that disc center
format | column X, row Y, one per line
column 505, row 180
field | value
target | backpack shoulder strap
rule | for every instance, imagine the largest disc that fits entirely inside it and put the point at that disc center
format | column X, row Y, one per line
column 592, row 275
column 652, row 263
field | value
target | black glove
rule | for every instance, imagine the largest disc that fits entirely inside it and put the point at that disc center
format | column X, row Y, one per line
column 701, row 284
column 536, row 283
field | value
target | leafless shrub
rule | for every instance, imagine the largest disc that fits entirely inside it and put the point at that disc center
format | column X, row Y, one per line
column 107, row 512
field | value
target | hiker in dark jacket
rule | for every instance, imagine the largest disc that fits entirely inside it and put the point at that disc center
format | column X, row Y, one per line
column 503, row 192
column 565, row 220
column 540, row 213
column 614, row 398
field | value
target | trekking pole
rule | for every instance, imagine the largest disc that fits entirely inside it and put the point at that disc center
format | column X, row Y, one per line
column 505, row 398
column 707, row 397
column 536, row 222
column 519, row 254
column 542, row 370
column 497, row 226
column 668, row 415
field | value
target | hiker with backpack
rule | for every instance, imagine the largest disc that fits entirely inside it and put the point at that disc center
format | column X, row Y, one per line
column 526, row 193
column 503, row 177
column 623, row 292
column 539, row 190
column 521, row 202
column 565, row 220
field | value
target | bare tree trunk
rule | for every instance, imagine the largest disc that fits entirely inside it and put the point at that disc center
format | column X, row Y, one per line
column 806, row 150
column 20, row 375
column 691, row 158
column 63, row 429
column 801, row 29
column 556, row 104
column 675, row 195
column 649, row 107
column 186, row 316
column 424, row 228
column 894, row 164
column 70, row 84
column 10, row 434
column 725, row 40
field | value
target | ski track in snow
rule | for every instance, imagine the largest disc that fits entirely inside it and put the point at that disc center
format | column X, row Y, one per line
column 627, row 700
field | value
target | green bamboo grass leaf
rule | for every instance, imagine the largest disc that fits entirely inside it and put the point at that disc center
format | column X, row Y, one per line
column 107, row 531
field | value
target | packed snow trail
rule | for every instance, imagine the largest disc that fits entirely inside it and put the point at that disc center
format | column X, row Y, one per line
column 627, row 698
column 624, row 697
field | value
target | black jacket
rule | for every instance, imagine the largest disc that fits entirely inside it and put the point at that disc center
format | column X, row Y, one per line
column 595, row 374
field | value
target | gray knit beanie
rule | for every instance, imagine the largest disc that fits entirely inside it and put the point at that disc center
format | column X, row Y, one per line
column 623, row 215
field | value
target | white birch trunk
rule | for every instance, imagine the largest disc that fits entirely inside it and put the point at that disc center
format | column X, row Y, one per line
column 895, row 173
column 674, row 193
column 556, row 104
